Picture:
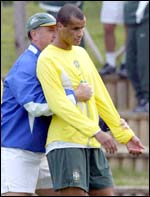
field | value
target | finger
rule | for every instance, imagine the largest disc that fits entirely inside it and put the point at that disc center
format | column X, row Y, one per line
column 135, row 154
column 112, row 148
column 107, row 147
column 135, row 151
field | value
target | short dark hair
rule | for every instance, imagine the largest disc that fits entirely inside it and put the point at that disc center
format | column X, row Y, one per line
column 67, row 11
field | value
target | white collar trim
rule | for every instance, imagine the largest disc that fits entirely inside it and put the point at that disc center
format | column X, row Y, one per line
column 33, row 49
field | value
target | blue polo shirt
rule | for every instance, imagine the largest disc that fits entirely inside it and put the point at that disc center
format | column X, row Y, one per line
column 20, row 128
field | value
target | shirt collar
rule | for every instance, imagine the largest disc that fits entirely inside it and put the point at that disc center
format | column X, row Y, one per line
column 34, row 49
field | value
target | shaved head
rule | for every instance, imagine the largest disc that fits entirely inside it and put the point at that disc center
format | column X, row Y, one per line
column 68, row 11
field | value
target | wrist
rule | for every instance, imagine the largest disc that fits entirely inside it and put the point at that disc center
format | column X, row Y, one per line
column 97, row 133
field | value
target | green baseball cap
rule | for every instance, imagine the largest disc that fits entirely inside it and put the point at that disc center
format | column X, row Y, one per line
column 40, row 19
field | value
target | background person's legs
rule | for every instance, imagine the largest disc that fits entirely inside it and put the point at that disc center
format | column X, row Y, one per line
column 138, row 65
column 109, row 37
column 143, row 58
column 111, row 15
column 110, row 42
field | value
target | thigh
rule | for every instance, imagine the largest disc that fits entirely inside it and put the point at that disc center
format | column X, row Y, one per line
column 44, row 185
column 44, row 178
column 100, row 172
column 68, row 168
column 73, row 191
column 16, row 194
column 46, row 192
column 21, row 177
column 102, row 192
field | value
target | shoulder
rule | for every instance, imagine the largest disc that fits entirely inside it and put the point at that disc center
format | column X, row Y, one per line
column 27, row 57
column 79, row 49
column 26, row 63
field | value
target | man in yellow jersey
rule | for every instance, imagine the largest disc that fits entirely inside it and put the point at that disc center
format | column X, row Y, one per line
column 77, row 163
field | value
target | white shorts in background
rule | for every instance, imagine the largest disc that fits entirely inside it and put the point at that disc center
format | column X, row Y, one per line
column 23, row 171
column 112, row 12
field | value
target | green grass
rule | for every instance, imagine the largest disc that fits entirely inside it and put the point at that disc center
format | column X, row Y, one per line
column 130, row 177
column 92, row 12
column 8, row 50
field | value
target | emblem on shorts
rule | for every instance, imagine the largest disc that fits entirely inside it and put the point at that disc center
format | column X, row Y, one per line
column 76, row 175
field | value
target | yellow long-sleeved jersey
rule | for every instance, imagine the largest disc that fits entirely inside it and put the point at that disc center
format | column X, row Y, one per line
column 60, row 69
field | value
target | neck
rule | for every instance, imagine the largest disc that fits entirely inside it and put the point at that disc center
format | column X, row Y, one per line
column 37, row 45
column 60, row 44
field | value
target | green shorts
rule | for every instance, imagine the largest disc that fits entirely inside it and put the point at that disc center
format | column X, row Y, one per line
column 79, row 167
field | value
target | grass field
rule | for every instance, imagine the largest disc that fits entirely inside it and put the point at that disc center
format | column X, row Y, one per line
column 92, row 12
column 130, row 177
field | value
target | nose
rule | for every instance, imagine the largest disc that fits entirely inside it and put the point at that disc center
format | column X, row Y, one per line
column 80, row 32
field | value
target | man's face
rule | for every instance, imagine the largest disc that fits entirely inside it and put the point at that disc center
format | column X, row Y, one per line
column 43, row 36
column 46, row 36
column 73, row 32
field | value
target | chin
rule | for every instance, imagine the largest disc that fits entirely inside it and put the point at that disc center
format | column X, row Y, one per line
column 77, row 43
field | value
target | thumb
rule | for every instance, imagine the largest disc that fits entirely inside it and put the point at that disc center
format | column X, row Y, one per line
column 138, row 142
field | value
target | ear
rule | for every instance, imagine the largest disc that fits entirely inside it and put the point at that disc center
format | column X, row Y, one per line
column 34, row 34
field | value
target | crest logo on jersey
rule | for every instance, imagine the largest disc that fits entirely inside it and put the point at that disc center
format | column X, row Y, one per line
column 76, row 63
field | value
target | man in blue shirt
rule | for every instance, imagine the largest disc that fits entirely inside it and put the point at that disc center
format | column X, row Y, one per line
column 26, row 117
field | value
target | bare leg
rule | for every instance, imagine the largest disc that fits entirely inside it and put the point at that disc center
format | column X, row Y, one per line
column 102, row 192
column 72, row 191
column 16, row 194
column 46, row 192
column 109, row 36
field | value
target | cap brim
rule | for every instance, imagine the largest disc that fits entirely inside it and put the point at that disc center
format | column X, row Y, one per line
column 48, row 24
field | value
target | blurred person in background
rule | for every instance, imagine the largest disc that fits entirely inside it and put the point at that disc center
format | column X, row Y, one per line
column 136, row 17
column 112, row 15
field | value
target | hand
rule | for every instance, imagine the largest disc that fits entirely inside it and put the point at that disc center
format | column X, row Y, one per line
column 106, row 141
column 83, row 92
column 135, row 146
column 124, row 124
